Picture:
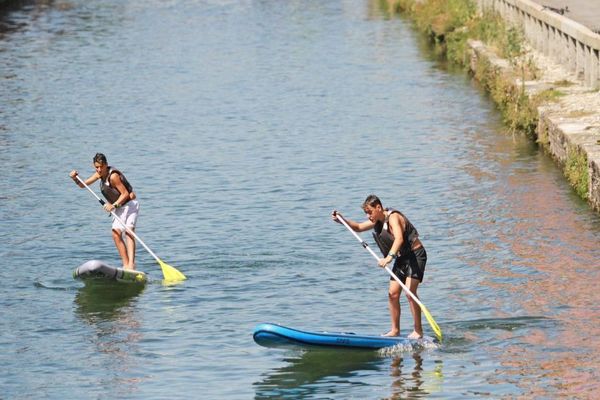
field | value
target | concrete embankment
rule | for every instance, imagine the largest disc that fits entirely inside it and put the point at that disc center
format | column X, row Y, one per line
column 562, row 93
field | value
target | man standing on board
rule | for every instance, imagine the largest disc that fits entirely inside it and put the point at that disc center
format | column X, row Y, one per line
column 398, row 240
column 120, row 199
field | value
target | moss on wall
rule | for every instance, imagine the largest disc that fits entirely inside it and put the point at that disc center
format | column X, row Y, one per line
column 576, row 171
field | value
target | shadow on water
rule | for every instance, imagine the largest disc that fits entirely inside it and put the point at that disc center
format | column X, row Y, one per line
column 314, row 373
column 102, row 300
column 114, row 329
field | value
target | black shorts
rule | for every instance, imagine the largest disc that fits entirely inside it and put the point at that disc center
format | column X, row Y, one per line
column 411, row 265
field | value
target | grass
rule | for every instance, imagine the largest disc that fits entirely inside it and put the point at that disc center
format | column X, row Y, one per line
column 563, row 83
column 576, row 171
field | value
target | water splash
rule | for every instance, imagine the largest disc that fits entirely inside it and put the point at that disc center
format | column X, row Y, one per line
column 426, row 343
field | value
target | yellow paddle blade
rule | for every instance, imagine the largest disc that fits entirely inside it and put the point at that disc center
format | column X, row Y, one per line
column 434, row 325
column 171, row 274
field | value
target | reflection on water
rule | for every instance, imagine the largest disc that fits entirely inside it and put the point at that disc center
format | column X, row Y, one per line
column 410, row 380
column 99, row 300
column 107, row 307
column 304, row 370
column 550, row 266
column 537, row 246
column 311, row 373
column 239, row 102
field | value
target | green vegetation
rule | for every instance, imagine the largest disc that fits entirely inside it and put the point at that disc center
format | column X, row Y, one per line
column 451, row 23
column 563, row 83
column 576, row 171
column 518, row 110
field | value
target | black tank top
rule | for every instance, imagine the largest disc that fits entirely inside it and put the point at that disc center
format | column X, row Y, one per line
column 110, row 193
column 385, row 239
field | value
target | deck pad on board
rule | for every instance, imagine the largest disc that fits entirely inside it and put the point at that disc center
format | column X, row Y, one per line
column 100, row 269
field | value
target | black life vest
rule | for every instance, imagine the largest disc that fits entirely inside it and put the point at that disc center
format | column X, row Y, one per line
column 385, row 239
column 110, row 193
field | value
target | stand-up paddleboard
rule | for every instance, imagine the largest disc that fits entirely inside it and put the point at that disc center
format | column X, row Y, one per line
column 274, row 335
column 100, row 269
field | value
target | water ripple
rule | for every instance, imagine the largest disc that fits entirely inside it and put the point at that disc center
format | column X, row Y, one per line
column 241, row 126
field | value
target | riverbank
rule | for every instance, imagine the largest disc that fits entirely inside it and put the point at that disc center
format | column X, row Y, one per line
column 557, row 104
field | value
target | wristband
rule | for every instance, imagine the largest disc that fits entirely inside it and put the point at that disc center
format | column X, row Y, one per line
column 116, row 205
column 390, row 254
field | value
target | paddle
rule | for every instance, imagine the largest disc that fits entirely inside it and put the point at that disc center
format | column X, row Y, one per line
column 434, row 325
column 171, row 274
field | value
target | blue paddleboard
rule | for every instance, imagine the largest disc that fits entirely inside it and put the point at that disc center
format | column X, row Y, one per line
column 274, row 335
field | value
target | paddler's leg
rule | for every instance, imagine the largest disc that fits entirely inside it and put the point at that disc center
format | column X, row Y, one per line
column 120, row 244
column 130, row 251
column 394, row 305
column 412, row 284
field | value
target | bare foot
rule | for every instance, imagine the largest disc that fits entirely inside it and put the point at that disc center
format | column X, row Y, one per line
column 129, row 267
column 415, row 335
column 391, row 333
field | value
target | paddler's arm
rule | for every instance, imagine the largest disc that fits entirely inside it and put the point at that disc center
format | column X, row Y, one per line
column 93, row 178
column 355, row 226
column 117, row 183
column 396, row 225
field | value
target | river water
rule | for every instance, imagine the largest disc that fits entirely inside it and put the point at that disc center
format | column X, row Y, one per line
column 241, row 125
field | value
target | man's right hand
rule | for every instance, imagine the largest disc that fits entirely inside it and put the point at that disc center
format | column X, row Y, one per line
column 74, row 175
column 334, row 216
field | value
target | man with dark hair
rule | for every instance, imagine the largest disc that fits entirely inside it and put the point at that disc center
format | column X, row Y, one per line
column 398, row 240
column 121, row 199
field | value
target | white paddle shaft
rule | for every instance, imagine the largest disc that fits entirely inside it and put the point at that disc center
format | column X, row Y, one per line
column 389, row 271
column 120, row 220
